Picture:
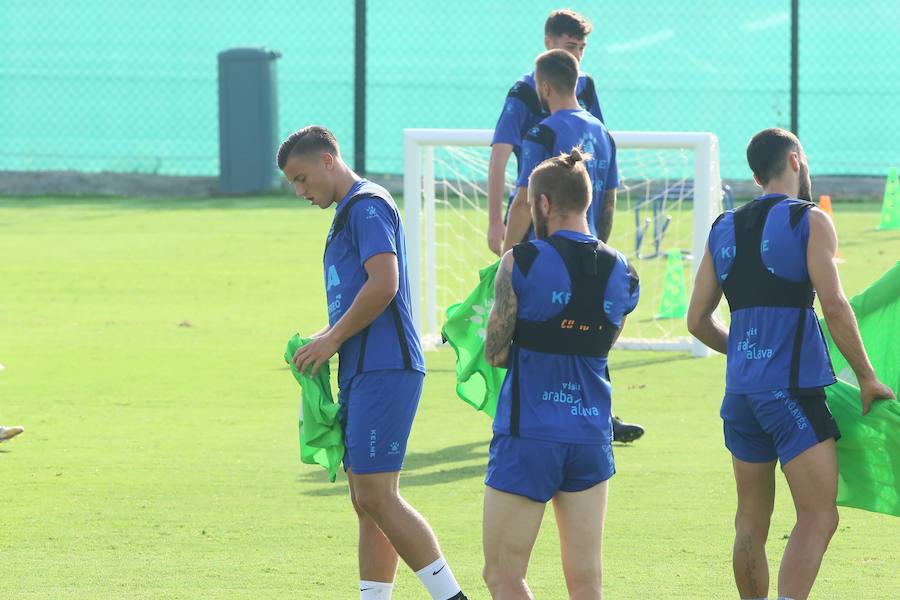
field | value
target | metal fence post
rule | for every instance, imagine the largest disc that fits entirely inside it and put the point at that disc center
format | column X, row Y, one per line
column 359, row 91
column 795, row 64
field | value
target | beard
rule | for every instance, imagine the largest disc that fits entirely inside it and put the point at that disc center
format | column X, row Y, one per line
column 541, row 227
column 805, row 192
column 544, row 106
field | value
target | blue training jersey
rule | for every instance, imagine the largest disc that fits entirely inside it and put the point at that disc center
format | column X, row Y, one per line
column 562, row 131
column 761, row 340
column 372, row 227
column 522, row 110
column 563, row 398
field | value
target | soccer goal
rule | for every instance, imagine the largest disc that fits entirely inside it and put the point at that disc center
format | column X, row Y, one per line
column 669, row 194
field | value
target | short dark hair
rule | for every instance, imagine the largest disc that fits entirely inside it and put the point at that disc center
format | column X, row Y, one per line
column 313, row 138
column 768, row 149
column 564, row 180
column 558, row 68
column 567, row 21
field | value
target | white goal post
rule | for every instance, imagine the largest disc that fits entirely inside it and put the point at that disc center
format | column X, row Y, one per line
column 420, row 215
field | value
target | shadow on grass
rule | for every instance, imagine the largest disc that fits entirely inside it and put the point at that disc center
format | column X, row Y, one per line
column 417, row 461
column 155, row 203
column 645, row 362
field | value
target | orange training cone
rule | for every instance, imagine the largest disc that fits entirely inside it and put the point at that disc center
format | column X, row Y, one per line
column 825, row 205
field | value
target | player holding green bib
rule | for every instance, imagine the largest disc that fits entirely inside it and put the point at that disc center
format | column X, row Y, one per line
column 381, row 368
column 770, row 258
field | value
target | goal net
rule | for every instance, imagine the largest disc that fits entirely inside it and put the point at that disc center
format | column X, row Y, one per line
column 669, row 194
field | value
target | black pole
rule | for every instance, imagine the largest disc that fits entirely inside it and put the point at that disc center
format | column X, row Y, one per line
column 359, row 91
column 795, row 63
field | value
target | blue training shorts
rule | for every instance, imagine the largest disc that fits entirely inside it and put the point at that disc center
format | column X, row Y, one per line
column 537, row 469
column 778, row 424
column 377, row 412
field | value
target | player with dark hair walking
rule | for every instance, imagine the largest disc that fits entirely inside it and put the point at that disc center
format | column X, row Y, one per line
column 770, row 258
column 568, row 125
column 523, row 109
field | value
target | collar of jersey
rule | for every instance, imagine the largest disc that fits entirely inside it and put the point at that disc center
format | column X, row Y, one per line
column 767, row 196
column 353, row 190
column 575, row 236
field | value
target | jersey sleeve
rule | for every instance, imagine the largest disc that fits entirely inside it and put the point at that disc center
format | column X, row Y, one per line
column 785, row 239
column 589, row 100
column 518, row 106
column 721, row 245
column 536, row 148
column 612, row 174
column 524, row 257
column 622, row 291
column 373, row 227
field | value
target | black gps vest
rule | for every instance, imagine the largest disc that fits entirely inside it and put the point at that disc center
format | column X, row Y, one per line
column 582, row 327
column 752, row 291
column 749, row 282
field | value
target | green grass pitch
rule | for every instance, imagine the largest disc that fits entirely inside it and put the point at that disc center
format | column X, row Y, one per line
column 142, row 341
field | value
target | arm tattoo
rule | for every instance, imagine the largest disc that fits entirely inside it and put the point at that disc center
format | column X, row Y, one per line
column 604, row 225
column 502, row 321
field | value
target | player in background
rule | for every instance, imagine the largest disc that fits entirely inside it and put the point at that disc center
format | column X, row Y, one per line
column 381, row 368
column 770, row 257
column 560, row 303
column 567, row 126
column 522, row 110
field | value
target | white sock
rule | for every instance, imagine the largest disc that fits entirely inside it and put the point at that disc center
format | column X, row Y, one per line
column 784, row 598
column 439, row 580
column 375, row 590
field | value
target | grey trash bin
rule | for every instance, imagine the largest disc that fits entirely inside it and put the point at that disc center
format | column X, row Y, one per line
column 248, row 120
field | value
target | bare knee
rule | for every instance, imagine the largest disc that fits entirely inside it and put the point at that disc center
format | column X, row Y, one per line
column 491, row 578
column 373, row 501
column 585, row 585
column 502, row 583
column 753, row 523
column 356, row 507
column 584, row 579
column 824, row 520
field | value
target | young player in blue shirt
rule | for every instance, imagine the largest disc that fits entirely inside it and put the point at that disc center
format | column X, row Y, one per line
column 381, row 368
column 770, row 258
column 564, row 30
column 567, row 126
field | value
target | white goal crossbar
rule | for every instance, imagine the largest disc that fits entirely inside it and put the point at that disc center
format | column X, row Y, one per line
column 420, row 223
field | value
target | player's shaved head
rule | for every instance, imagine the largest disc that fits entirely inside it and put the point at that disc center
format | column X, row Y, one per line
column 313, row 138
column 559, row 69
column 768, row 150
column 565, row 182
column 567, row 22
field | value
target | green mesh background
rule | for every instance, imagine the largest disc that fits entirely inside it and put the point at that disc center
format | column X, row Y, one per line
column 131, row 86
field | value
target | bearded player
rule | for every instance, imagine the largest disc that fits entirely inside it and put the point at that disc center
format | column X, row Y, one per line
column 560, row 302
column 770, row 258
